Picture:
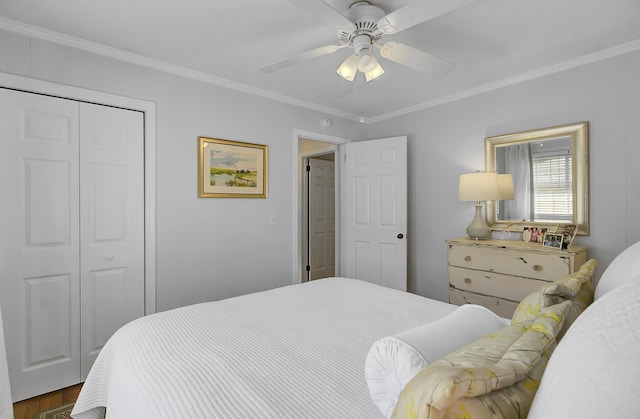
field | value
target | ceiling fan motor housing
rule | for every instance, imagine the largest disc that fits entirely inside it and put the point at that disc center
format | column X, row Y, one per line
column 365, row 31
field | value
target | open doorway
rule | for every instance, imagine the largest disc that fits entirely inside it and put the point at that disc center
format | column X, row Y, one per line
column 307, row 144
column 318, row 200
column 319, row 217
column 382, row 253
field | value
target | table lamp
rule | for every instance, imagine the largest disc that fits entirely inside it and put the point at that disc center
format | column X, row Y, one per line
column 505, row 185
column 478, row 187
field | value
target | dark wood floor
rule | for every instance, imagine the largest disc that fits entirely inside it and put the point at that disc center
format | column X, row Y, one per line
column 28, row 409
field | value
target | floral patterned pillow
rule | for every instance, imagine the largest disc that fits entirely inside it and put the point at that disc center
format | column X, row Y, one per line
column 576, row 287
column 495, row 376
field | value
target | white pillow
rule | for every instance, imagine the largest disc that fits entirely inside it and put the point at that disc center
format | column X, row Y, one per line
column 593, row 373
column 393, row 361
column 624, row 268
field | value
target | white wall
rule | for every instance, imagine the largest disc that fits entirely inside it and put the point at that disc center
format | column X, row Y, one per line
column 207, row 249
column 447, row 140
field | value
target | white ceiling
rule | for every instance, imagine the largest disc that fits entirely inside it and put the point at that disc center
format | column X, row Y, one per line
column 492, row 43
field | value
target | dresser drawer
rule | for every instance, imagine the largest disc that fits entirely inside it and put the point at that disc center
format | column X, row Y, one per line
column 504, row 286
column 546, row 266
column 502, row 308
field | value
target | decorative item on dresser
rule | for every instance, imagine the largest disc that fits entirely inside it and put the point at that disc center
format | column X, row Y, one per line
column 498, row 274
column 483, row 186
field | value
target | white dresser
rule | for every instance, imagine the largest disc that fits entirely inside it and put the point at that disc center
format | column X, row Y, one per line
column 497, row 274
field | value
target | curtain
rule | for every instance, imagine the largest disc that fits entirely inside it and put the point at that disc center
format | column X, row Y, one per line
column 518, row 163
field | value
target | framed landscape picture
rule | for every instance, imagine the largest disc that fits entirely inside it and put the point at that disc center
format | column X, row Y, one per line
column 231, row 169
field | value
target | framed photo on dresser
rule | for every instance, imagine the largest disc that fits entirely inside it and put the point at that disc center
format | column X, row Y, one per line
column 568, row 232
column 533, row 234
column 553, row 240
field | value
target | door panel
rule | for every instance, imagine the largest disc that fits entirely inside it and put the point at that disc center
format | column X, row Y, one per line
column 73, row 177
column 375, row 243
column 39, row 244
column 47, row 203
column 388, row 202
column 104, row 290
column 44, row 344
column 322, row 219
column 112, row 224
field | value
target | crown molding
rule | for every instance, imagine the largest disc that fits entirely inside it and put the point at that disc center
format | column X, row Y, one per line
column 531, row 75
column 118, row 54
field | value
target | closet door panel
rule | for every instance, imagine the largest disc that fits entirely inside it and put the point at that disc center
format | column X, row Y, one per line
column 39, row 244
column 112, row 224
column 47, row 202
column 46, row 345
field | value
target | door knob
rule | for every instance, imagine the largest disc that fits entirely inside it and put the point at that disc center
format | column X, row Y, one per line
column 400, row 236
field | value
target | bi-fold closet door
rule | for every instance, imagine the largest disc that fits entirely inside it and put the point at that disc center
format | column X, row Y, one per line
column 71, row 234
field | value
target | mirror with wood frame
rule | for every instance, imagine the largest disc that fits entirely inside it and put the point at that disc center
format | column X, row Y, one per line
column 550, row 169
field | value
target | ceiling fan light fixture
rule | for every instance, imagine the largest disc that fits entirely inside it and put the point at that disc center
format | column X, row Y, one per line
column 374, row 74
column 348, row 68
column 366, row 61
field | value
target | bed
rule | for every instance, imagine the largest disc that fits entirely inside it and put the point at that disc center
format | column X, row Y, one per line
column 294, row 352
column 344, row 348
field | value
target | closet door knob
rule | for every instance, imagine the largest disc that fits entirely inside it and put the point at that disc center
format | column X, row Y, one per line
column 400, row 236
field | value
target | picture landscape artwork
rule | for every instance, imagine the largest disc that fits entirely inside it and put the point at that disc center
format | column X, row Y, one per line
column 232, row 169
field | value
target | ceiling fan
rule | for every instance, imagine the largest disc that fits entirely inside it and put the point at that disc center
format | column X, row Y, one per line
column 363, row 29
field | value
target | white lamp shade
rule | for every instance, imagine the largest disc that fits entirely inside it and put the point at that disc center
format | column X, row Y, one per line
column 348, row 68
column 505, row 184
column 366, row 61
column 479, row 186
column 375, row 73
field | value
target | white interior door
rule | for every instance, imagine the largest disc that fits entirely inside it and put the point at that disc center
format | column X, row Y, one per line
column 375, row 207
column 72, row 234
column 40, row 247
column 322, row 220
column 112, row 224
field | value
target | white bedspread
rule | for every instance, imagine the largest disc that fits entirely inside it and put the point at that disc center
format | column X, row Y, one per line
column 293, row 352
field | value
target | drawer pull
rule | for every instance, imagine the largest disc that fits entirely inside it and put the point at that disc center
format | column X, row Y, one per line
column 467, row 280
column 522, row 259
column 467, row 258
column 537, row 268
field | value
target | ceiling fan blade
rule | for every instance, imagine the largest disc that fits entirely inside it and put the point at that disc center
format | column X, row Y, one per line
column 324, row 12
column 416, row 12
column 415, row 59
column 305, row 56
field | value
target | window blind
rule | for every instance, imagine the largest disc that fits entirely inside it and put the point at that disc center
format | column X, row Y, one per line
column 553, row 197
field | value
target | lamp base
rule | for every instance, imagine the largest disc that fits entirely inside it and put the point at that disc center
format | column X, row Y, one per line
column 478, row 229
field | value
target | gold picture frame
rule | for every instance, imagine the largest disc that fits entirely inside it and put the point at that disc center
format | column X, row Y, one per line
column 231, row 169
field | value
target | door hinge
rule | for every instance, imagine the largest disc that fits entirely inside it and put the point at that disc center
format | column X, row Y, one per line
column 308, row 168
column 308, row 268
